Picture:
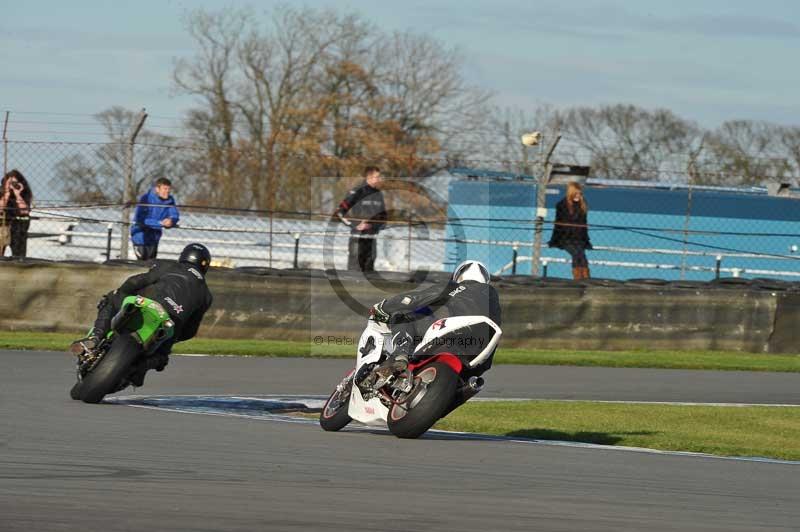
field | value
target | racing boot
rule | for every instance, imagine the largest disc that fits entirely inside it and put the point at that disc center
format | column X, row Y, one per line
column 85, row 345
column 396, row 362
column 157, row 362
column 393, row 365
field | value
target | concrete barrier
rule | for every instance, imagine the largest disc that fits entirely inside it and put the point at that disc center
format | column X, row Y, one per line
column 286, row 305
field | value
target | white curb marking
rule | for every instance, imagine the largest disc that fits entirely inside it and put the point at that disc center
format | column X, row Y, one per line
column 269, row 408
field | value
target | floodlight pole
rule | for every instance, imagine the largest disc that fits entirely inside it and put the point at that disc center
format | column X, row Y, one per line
column 128, row 193
column 541, row 210
column 5, row 144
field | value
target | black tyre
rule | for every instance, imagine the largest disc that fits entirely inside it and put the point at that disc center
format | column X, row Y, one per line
column 334, row 414
column 75, row 392
column 109, row 372
column 435, row 387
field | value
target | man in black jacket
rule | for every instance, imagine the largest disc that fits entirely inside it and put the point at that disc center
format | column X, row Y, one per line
column 409, row 315
column 365, row 205
column 180, row 287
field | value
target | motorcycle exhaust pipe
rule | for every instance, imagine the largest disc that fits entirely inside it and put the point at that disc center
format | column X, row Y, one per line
column 469, row 390
column 472, row 387
column 476, row 383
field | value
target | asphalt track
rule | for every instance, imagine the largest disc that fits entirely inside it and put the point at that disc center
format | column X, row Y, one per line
column 65, row 465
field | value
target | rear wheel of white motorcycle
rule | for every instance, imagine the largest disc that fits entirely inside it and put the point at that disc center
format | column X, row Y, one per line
column 434, row 388
column 106, row 377
column 334, row 414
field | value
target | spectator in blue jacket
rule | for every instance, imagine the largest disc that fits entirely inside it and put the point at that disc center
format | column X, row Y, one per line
column 156, row 210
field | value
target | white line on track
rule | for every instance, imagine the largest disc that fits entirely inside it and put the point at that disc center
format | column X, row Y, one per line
column 316, row 401
column 669, row 403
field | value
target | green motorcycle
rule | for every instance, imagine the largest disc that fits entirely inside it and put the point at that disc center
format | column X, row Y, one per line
column 137, row 330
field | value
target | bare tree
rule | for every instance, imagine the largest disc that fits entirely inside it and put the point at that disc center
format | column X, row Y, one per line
column 789, row 142
column 745, row 152
column 627, row 142
column 212, row 75
column 312, row 92
column 424, row 98
column 101, row 177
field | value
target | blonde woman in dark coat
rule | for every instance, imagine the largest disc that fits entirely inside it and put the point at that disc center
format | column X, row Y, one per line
column 571, row 232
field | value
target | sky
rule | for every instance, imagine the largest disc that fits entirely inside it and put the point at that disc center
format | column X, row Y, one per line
column 706, row 60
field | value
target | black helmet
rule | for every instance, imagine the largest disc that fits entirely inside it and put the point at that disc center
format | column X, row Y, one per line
column 196, row 254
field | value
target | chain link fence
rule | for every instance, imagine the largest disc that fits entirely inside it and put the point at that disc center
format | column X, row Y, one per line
column 670, row 232
column 666, row 230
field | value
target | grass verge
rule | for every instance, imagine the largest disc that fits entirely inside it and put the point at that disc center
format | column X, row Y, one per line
column 772, row 432
column 709, row 360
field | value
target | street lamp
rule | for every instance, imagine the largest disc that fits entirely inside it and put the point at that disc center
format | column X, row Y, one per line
column 532, row 139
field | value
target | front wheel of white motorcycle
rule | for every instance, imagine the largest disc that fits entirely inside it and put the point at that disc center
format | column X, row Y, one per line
column 434, row 387
column 334, row 414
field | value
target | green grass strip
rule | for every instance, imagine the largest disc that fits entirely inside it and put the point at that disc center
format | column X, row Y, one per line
column 708, row 360
column 771, row 432
column 712, row 360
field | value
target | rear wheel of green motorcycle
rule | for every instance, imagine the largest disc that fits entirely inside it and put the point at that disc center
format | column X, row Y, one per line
column 75, row 392
column 334, row 415
column 109, row 372
column 435, row 385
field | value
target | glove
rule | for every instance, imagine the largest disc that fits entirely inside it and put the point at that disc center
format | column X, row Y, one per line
column 103, row 301
column 344, row 220
column 377, row 313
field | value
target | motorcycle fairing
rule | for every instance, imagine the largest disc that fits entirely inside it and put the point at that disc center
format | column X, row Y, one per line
column 375, row 339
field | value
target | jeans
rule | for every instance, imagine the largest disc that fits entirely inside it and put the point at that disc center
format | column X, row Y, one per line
column 578, row 254
column 19, row 237
column 146, row 252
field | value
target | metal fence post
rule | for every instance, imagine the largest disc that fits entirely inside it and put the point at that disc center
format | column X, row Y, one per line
column 514, row 251
column 719, row 264
column 409, row 242
column 271, row 236
column 5, row 144
column 296, row 250
column 541, row 211
column 691, row 171
column 129, row 193
column 108, row 241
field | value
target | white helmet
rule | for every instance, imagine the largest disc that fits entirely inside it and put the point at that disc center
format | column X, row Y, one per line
column 471, row 270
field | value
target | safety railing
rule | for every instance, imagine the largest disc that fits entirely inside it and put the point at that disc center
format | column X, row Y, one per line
column 717, row 268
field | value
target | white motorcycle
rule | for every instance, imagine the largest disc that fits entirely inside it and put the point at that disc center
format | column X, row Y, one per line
column 441, row 376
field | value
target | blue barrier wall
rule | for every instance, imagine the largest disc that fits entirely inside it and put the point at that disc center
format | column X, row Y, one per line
column 651, row 218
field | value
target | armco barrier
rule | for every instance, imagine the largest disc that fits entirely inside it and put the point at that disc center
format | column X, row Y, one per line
column 259, row 303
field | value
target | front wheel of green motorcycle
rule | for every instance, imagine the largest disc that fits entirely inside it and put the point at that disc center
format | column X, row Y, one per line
column 111, row 370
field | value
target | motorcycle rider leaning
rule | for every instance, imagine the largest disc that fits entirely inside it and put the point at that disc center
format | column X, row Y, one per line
column 468, row 293
column 180, row 287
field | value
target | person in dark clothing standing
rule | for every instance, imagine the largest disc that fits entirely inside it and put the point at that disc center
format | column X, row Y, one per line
column 571, row 232
column 180, row 287
column 16, row 199
column 367, row 215
column 156, row 211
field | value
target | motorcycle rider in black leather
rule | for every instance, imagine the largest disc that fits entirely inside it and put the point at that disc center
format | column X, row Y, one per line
column 409, row 315
column 180, row 287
